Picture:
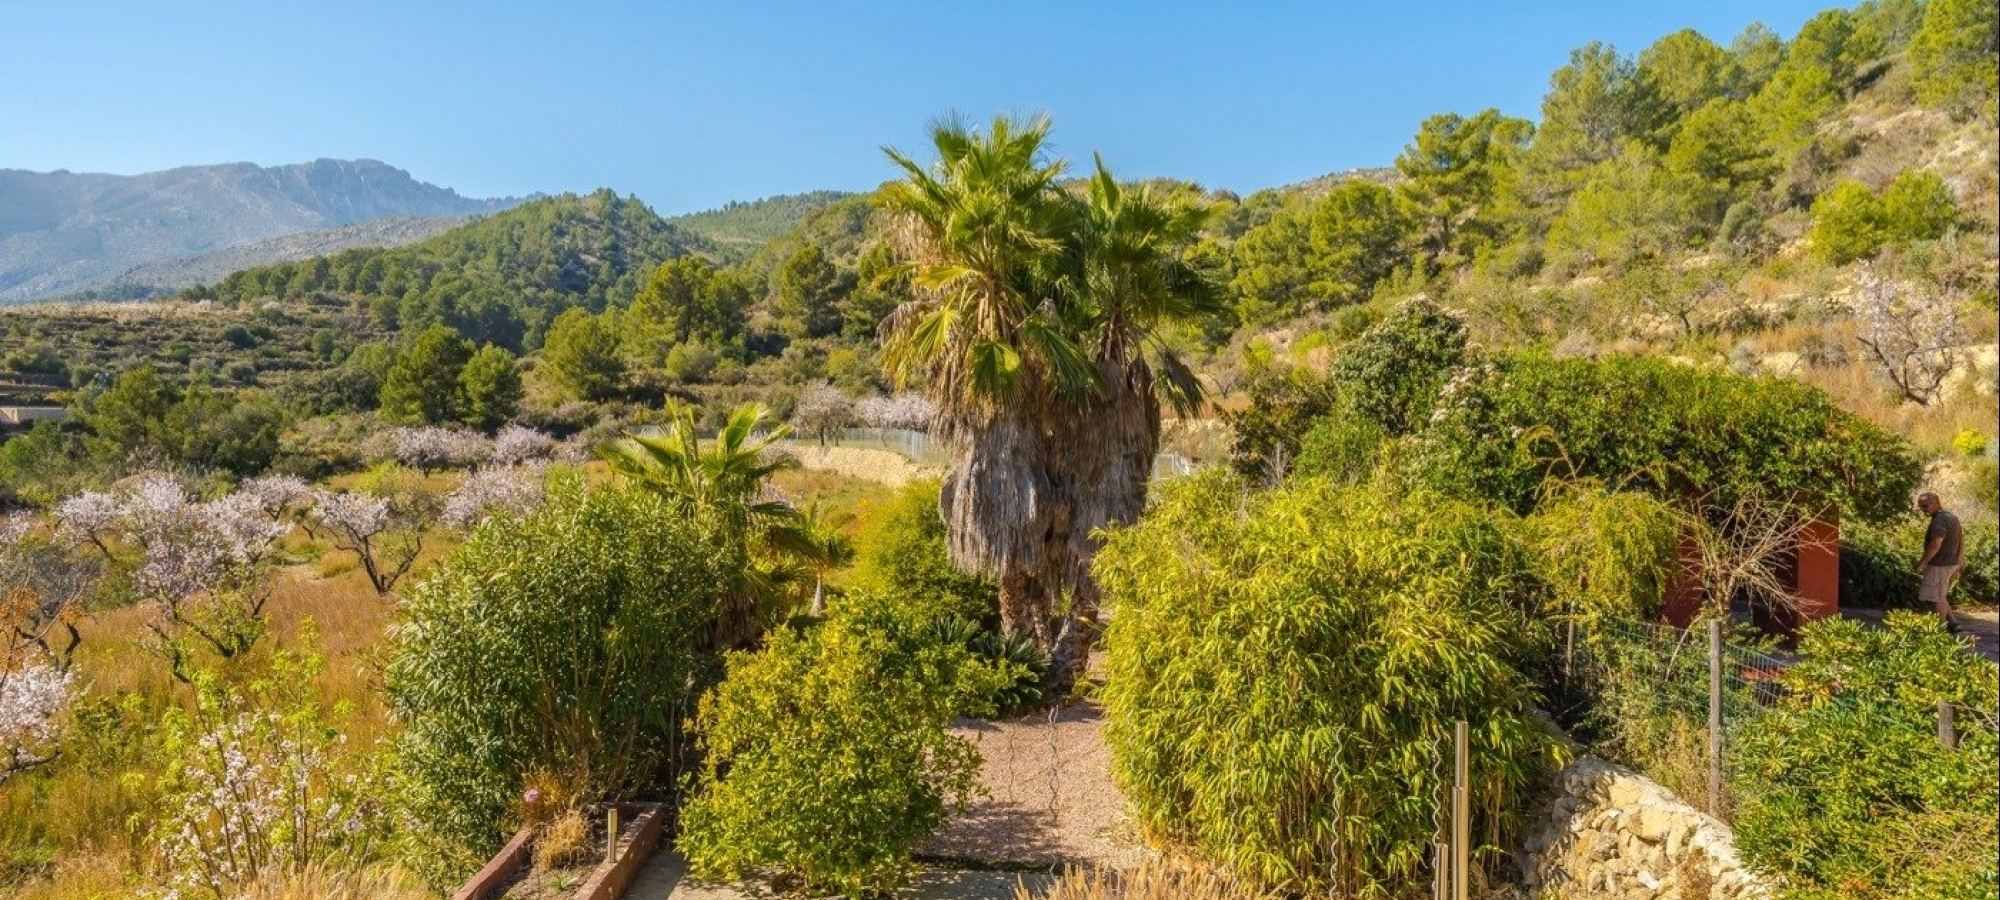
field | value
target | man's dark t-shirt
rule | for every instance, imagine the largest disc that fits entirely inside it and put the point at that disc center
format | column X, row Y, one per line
column 1944, row 526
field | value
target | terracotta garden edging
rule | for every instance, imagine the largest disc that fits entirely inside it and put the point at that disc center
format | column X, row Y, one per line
column 613, row 877
column 606, row 882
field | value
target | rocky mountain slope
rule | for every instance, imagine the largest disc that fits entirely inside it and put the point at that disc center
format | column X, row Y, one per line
column 64, row 232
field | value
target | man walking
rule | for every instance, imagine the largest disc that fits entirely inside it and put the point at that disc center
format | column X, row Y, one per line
column 1942, row 544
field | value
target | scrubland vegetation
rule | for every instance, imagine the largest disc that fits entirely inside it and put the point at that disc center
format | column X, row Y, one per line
column 343, row 569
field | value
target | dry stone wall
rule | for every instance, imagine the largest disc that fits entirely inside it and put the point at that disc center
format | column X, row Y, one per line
column 1609, row 833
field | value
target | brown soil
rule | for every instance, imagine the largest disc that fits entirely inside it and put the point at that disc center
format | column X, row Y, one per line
column 561, row 882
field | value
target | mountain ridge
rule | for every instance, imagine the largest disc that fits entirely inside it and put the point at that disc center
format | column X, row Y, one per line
column 65, row 232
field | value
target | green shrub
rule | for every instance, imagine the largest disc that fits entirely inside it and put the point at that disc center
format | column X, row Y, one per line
column 900, row 557
column 1688, row 436
column 1604, row 554
column 1979, row 581
column 1877, row 568
column 1343, row 446
column 1023, row 667
column 827, row 755
column 1285, row 667
column 1392, row 372
column 1851, row 222
column 1878, row 565
column 1284, row 404
column 1848, row 223
column 1845, row 790
column 566, row 642
column 1969, row 443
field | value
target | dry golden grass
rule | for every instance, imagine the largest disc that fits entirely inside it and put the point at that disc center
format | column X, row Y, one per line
column 1153, row 881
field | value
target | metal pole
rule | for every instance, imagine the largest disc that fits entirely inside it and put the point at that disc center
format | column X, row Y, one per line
column 1461, row 813
column 611, row 834
column 1947, row 726
column 1569, row 653
column 1441, row 884
column 1715, row 718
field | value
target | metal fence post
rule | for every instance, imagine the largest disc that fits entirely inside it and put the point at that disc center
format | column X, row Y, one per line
column 1461, row 813
column 1947, row 725
column 1715, row 718
column 1441, row 884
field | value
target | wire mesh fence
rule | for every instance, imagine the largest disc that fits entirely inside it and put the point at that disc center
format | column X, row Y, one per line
column 1672, row 702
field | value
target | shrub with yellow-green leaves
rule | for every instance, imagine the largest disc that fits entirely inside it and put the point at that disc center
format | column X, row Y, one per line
column 1285, row 669
column 827, row 755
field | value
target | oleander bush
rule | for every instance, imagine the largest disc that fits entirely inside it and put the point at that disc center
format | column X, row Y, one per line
column 566, row 640
column 1844, row 788
column 1302, row 653
column 827, row 754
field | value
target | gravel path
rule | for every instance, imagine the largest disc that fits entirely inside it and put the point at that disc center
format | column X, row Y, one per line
column 1052, row 799
column 665, row 878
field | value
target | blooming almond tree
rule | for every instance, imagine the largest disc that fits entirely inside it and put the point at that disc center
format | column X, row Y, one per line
column 202, row 567
column 1911, row 330
column 517, row 444
column 431, row 449
column 510, row 490
column 43, row 585
column 89, row 516
column 385, row 533
column 906, row 411
column 822, row 411
column 33, row 699
column 259, row 787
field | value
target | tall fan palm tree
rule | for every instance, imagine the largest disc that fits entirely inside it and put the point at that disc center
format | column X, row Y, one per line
column 1033, row 330
column 987, row 235
column 1137, row 284
column 725, row 484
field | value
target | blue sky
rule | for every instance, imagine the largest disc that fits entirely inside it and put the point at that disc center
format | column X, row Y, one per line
column 691, row 105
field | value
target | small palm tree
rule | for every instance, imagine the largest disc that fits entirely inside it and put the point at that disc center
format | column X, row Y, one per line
column 726, row 485
column 823, row 549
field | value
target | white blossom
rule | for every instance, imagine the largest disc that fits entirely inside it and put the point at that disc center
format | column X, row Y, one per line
column 905, row 411
column 432, row 448
column 275, row 494
column 358, row 514
column 32, row 700
column 14, row 526
column 86, row 516
column 516, row 444
column 513, row 490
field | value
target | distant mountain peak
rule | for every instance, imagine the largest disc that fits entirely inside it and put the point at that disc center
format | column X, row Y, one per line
column 63, row 232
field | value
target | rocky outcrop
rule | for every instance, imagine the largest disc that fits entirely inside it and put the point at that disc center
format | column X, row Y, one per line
column 1609, row 833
